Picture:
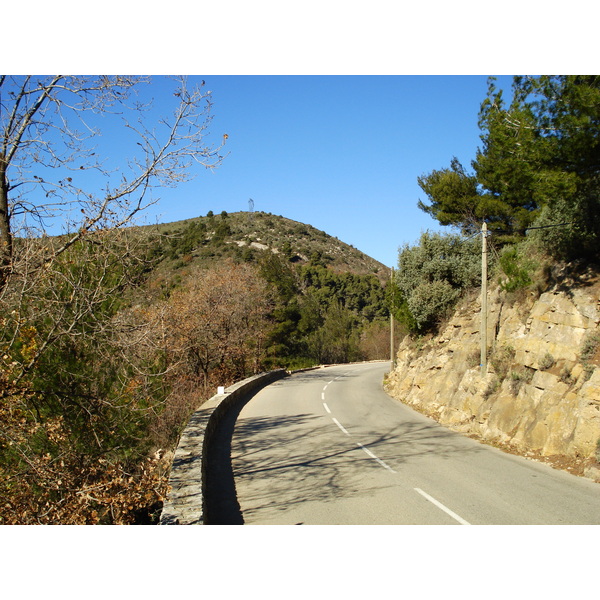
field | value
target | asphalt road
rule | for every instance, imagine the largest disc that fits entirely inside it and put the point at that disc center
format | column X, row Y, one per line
column 329, row 447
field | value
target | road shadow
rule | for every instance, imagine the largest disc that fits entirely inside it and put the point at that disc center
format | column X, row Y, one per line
column 286, row 461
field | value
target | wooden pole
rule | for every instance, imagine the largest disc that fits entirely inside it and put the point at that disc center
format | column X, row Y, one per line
column 392, row 357
column 484, row 299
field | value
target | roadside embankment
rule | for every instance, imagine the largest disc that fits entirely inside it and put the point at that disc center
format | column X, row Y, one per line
column 540, row 396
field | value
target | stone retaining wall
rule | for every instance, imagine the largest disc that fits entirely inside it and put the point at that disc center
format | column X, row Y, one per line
column 185, row 503
column 547, row 400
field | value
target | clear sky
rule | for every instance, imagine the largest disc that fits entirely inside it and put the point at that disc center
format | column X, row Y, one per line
column 341, row 153
column 332, row 109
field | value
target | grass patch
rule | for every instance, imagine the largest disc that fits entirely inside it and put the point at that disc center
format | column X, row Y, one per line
column 589, row 351
column 501, row 360
column 518, row 378
column 546, row 362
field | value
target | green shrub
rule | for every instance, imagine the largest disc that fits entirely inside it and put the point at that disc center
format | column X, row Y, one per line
column 432, row 276
column 492, row 388
column 590, row 346
column 576, row 214
column 546, row 362
column 567, row 377
column 501, row 360
column 588, row 351
column 431, row 301
column 516, row 269
column 518, row 378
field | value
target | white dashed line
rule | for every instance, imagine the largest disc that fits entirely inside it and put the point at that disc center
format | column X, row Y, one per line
column 340, row 426
column 377, row 459
column 442, row 507
column 369, row 453
column 366, row 450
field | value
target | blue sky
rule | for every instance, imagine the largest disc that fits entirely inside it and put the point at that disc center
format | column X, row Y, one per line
column 332, row 109
column 341, row 153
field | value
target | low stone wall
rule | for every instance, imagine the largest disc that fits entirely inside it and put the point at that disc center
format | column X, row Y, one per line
column 185, row 503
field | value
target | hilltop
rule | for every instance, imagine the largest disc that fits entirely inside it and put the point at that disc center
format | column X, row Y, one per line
column 244, row 236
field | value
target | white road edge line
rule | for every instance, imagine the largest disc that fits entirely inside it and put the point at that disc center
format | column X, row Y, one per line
column 326, row 408
column 442, row 507
column 340, row 425
column 322, row 395
column 375, row 458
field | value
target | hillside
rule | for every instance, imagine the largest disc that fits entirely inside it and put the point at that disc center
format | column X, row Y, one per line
column 245, row 235
column 126, row 332
column 327, row 299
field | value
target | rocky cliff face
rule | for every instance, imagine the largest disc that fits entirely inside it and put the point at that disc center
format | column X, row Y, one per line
column 540, row 395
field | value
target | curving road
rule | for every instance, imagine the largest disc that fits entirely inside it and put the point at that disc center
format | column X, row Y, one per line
column 329, row 446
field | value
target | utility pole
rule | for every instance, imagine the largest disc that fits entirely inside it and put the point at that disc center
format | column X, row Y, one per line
column 392, row 357
column 484, row 232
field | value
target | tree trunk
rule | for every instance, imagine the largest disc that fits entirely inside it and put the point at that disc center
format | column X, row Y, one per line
column 6, row 240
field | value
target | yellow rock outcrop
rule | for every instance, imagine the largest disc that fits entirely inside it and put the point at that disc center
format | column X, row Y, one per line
column 538, row 393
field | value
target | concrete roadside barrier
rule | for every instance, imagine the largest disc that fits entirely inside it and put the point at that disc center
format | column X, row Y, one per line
column 185, row 504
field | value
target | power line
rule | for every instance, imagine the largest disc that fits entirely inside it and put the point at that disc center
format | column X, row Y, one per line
column 528, row 228
column 470, row 238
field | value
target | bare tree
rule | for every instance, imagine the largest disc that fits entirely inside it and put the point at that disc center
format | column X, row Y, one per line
column 49, row 126
column 219, row 321
column 67, row 399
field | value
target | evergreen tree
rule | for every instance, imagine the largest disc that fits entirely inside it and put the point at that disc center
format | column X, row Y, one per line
column 453, row 195
column 567, row 109
column 539, row 165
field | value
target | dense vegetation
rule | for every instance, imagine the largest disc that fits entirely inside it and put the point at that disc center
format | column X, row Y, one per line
column 322, row 293
column 431, row 277
column 535, row 182
column 114, row 347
